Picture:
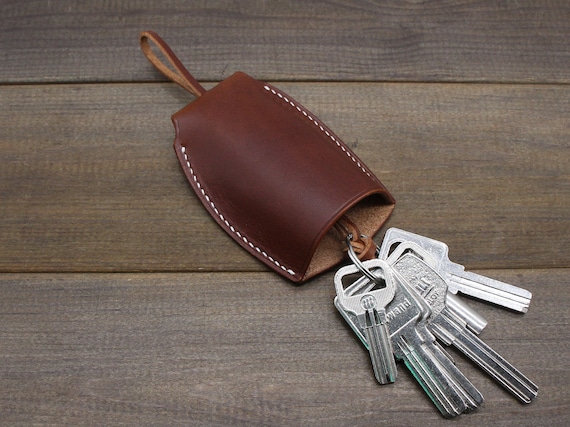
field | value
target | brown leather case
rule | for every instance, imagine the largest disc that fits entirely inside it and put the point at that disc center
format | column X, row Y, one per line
column 270, row 173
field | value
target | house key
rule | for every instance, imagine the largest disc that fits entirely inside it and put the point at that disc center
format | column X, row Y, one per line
column 369, row 308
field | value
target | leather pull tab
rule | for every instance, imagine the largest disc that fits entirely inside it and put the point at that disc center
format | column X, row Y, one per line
column 181, row 75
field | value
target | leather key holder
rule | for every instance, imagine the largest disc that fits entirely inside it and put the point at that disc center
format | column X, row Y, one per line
column 271, row 174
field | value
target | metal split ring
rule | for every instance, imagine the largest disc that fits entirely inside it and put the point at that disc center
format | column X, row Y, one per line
column 361, row 267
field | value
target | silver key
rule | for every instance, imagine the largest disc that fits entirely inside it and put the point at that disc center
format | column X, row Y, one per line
column 459, row 280
column 447, row 387
column 463, row 388
column 451, row 330
column 471, row 397
column 369, row 309
column 472, row 318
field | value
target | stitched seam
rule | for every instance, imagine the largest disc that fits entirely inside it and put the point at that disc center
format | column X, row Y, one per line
column 320, row 126
column 227, row 223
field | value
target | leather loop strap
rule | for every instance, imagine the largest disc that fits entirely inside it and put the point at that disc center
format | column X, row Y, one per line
column 181, row 75
column 363, row 245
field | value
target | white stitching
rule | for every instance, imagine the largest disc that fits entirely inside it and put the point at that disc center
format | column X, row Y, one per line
column 316, row 122
column 226, row 222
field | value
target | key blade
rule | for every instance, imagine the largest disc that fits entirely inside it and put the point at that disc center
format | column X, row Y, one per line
column 468, row 392
column 487, row 289
column 380, row 346
column 446, row 329
column 387, row 371
column 364, row 300
column 432, row 381
column 474, row 320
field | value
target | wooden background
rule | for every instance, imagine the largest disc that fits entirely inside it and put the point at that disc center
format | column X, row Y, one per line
column 122, row 303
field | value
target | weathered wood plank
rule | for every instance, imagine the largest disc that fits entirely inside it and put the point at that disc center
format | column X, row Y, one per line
column 89, row 181
column 243, row 349
column 501, row 41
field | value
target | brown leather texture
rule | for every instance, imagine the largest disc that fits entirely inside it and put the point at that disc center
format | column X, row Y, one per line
column 274, row 177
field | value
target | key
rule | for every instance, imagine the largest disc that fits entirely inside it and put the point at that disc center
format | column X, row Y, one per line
column 461, row 400
column 459, row 280
column 450, row 329
column 368, row 308
column 450, row 391
column 457, row 382
column 472, row 318
column 394, row 237
column 471, row 397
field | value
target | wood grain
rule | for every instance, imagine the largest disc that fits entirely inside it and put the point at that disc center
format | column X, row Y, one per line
column 89, row 181
column 478, row 41
column 242, row 349
column 122, row 303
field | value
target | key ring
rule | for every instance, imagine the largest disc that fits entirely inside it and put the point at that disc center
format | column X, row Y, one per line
column 361, row 267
